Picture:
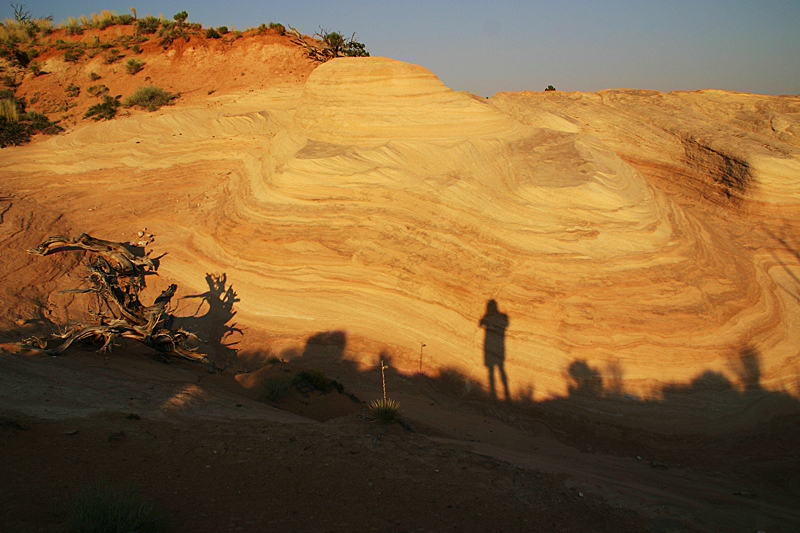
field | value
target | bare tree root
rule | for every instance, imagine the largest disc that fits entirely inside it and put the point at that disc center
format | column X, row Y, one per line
column 117, row 274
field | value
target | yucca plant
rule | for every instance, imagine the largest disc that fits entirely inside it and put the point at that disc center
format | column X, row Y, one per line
column 384, row 410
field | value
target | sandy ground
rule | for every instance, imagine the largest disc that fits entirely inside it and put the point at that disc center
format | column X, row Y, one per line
column 640, row 250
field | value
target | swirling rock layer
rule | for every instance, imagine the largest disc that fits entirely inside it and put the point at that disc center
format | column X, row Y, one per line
column 630, row 239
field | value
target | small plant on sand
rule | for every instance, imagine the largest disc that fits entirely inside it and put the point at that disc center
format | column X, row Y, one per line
column 150, row 98
column 94, row 76
column 132, row 66
column 103, row 507
column 222, row 30
column 211, row 33
column 105, row 110
column 384, row 410
column 275, row 389
column 73, row 90
column 278, row 28
column 549, row 88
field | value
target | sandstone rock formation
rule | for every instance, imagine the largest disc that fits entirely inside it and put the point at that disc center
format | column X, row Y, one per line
column 642, row 237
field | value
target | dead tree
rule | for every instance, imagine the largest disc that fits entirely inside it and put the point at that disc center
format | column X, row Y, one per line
column 329, row 45
column 117, row 273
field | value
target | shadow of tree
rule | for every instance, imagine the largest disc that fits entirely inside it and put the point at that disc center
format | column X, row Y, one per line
column 214, row 327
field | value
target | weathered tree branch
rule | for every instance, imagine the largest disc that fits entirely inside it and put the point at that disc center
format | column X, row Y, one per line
column 117, row 273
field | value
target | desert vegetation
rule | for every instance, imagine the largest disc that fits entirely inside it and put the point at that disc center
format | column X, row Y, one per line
column 28, row 42
column 18, row 125
column 105, row 110
column 102, row 507
column 149, row 98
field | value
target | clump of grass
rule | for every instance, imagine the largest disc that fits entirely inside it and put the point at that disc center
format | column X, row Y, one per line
column 132, row 66
column 73, row 90
column 105, row 110
column 384, row 410
column 9, row 109
column 150, row 98
column 275, row 389
column 211, row 33
column 278, row 28
column 94, row 76
column 104, row 508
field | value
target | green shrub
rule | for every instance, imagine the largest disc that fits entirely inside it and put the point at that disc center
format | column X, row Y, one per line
column 105, row 110
column 94, row 76
column 73, row 91
column 97, row 90
column 222, row 30
column 112, row 55
column 104, row 508
column 278, row 28
column 136, row 49
column 311, row 380
column 275, row 389
column 341, row 46
column 211, row 33
column 73, row 54
column 35, row 68
column 550, row 88
column 125, row 20
column 133, row 66
column 150, row 98
column 148, row 24
column 180, row 18
column 384, row 411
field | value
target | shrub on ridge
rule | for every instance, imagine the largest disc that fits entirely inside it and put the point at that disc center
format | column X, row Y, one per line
column 150, row 98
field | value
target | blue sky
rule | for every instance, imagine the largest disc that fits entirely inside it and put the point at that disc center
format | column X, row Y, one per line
column 512, row 45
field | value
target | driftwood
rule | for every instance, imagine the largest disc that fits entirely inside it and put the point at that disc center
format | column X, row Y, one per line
column 117, row 275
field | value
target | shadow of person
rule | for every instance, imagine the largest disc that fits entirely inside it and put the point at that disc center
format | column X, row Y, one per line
column 494, row 346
